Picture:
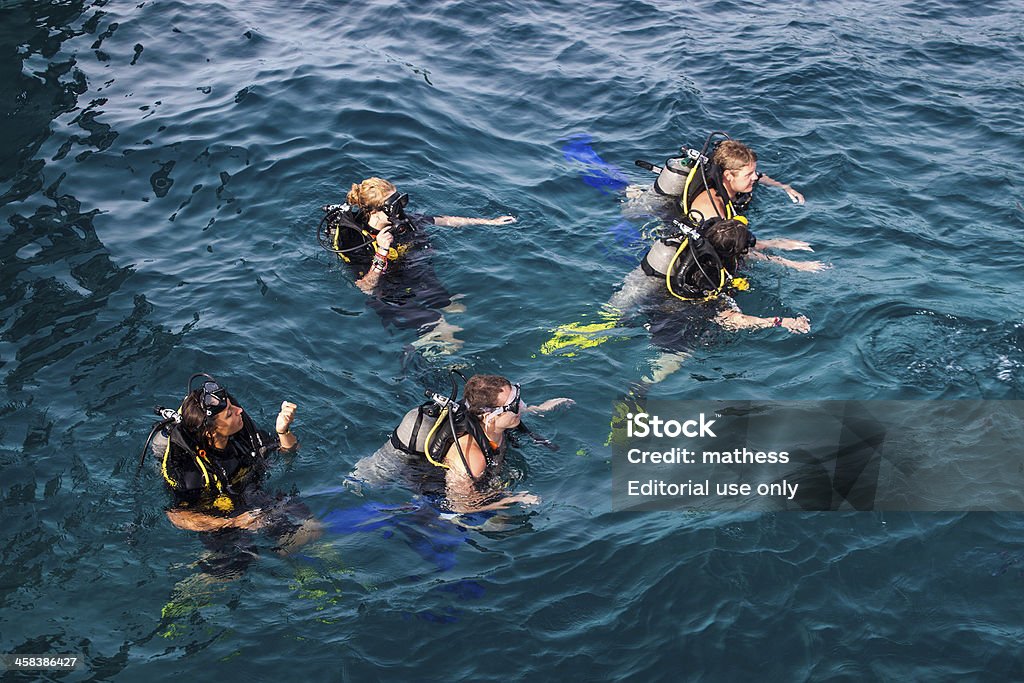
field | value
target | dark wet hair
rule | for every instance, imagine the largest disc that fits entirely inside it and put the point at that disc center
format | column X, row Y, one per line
column 481, row 392
column 193, row 417
column 730, row 238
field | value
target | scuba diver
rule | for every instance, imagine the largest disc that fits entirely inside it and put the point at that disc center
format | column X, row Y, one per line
column 698, row 266
column 214, row 460
column 454, row 449
column 721, row 186
column 389, row 252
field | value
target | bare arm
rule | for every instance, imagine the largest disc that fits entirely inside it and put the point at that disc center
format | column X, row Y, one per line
column 197, row 521
column 806, row 266
column 459, row 221
column 795, row 196
column 368, row 282
column 550, row 404
column 284, row 426
column 734, row 319
column 462, row 508
column 474, row 458
column 783, row 243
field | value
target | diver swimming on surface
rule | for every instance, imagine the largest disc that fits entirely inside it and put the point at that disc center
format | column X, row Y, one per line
column 214, row 461
column 698, row 266
column 700, row 186
column 390, row 254
column 455, row 448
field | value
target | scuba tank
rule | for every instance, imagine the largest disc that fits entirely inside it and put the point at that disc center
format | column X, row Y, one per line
column 160, row 433
column 692, row 269
column 431, row 428
column 671, row 180
column 425, row 431
column 671, row 177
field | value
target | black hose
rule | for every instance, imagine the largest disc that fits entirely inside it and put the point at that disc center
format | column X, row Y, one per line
column 323, row 237
column 537, row 438
column 700, row 266
column 703, row 176
column 458, row 446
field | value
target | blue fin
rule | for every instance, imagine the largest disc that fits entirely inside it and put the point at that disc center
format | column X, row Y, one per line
column 596, row 172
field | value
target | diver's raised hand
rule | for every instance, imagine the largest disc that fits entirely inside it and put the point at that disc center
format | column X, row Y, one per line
column 285, row 417
column 385, row 239
column 808, row 266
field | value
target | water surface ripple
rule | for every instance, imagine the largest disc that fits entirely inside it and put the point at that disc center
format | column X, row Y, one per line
column 162, row 169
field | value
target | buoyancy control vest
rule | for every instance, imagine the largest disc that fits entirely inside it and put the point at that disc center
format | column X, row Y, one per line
column 431, row 429
column 342, row 231
column 692, row 269
column 184, row 452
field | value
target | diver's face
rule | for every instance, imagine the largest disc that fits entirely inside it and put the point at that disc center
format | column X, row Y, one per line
column 741, row 180
column 507, row 419
column 229, row 420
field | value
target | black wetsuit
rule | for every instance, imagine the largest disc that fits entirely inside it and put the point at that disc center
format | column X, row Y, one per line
column 682, row 326
column 409, row 295
column 225, row 483
column 231, row 475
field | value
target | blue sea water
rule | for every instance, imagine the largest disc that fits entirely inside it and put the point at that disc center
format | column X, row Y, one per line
column 162, row 168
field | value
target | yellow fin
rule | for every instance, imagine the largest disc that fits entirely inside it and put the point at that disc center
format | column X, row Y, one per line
column 577, row 336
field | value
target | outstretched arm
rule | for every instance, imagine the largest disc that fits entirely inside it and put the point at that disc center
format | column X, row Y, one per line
column 782, row 243
column 459, row 221
column 806, row 266
column 525, row 498
column 795, row 196
column 734, row 319
column 197, row 521
column 550, row 404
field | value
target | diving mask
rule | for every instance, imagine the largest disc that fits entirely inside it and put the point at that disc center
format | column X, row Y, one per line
column 215, row 398
column 394, row 207
column 513, row 405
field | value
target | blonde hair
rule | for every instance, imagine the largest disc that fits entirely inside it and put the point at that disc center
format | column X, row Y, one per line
column 370, row 194
column 732, row 155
